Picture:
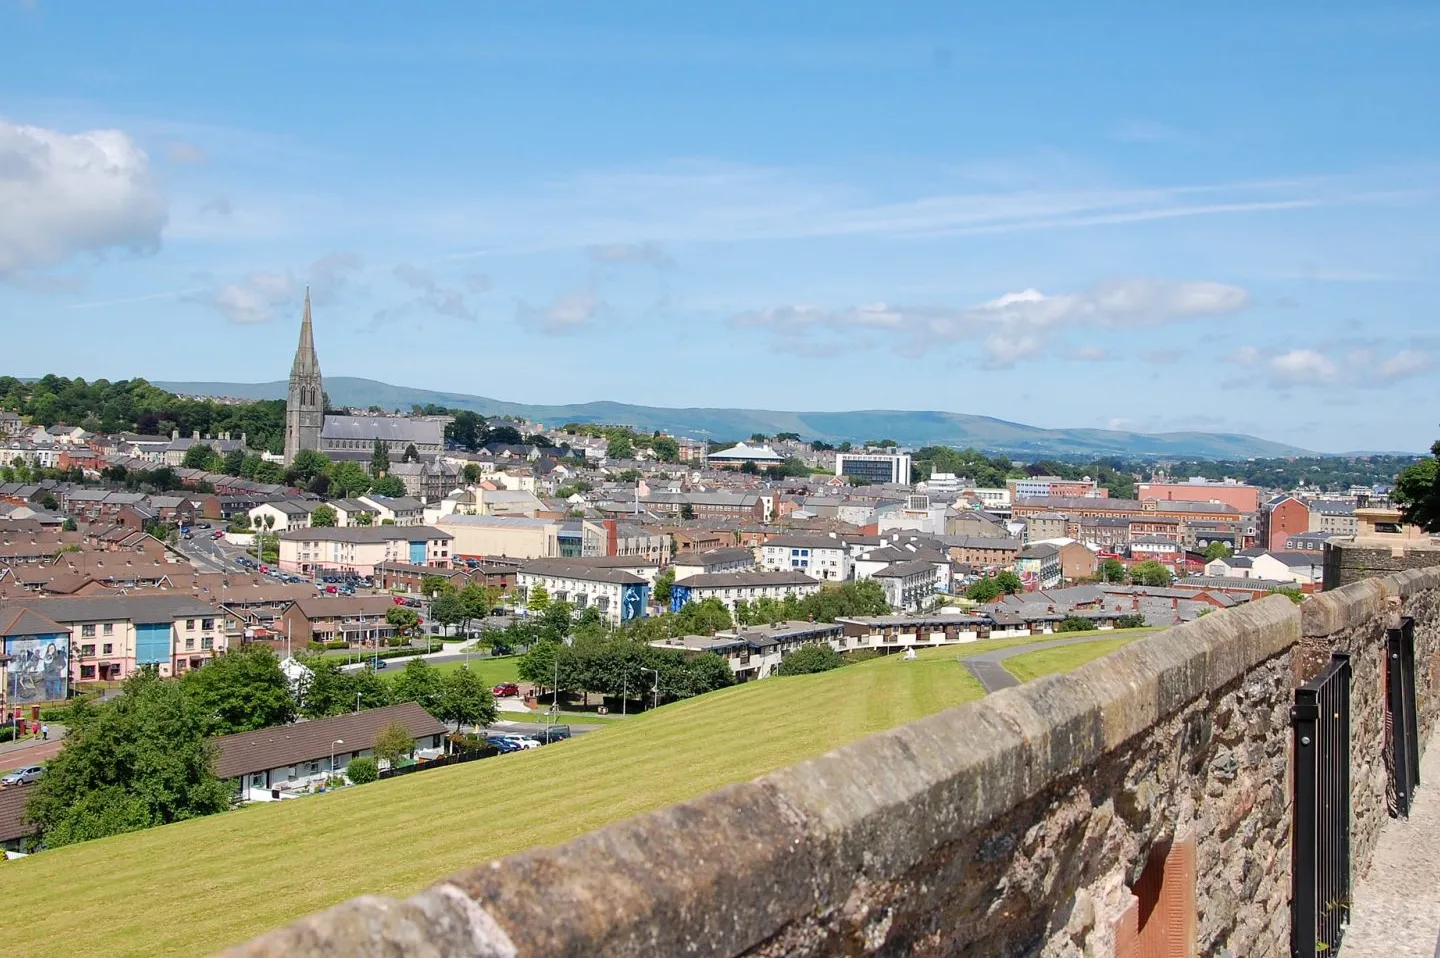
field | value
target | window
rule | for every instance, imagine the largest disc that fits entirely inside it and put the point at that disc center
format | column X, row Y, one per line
column 207, row 624
column 108, row 628
column 189, row 625
column 206, row 642
column 87, row 671
column 257, row 780
column 190, row 645
column 87, row 631
column 107, row 649
column 87, row 649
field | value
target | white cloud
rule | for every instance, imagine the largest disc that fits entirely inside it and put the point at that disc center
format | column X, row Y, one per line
column 1359, row 366
column 445, row 300
column 567, row 313
column 261, row 296
column 643, row 253
column 63, row 194
column 1303, row 366
column 1011, row 327
column 1245, row 355
column 1092, row 354
column 1407, row 362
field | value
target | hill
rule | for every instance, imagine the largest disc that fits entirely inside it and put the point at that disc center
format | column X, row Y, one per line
column 914, row 429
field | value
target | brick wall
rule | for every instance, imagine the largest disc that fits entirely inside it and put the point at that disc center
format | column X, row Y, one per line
column 1138, row 806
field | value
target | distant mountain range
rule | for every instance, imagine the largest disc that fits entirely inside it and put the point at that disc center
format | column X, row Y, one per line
column 912, row 429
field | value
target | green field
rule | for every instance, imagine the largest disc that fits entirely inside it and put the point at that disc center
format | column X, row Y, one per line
column 197, row 886
column 491, row 671
column 1063, row 658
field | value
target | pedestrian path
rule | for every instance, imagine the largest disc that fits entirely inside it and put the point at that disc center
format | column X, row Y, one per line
column 987, row 667
column 1395, row 909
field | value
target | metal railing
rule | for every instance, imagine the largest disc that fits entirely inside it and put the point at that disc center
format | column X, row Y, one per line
column 1320, row 852
column 1402, row 734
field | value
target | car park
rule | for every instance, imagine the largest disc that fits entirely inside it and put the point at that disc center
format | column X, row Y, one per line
column 23, row 776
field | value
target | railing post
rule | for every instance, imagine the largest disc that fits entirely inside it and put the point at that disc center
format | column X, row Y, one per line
column 1402, row 716
column 1320, row 839
column 1303, row 716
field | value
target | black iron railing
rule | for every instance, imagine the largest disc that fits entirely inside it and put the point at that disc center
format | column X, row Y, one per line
column 1402, row 737
column 1320, row 849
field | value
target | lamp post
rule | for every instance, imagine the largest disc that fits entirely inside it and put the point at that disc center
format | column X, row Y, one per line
column 654, row 692
column 357, row 701
column 555, row 689
column 338, row 741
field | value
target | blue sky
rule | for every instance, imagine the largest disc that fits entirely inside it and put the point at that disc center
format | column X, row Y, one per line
column 1215, row 218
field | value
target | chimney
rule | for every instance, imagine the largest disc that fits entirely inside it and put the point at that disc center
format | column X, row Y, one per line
column 1135, row 604
column 174, row 434
column 195, row 435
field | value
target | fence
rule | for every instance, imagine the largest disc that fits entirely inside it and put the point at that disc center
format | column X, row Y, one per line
column 1320, row 854
column 1401, row 718
column 454, row 758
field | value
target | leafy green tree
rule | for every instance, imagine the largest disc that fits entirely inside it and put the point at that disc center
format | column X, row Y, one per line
column 465, row 700
column 323, row 517
column 419, row 682
column 198, row 456
column 467, row 430
column 234, row 462
column 241, row 690
column 663, row 583
column 309, row 465
column 1217, row 550
column 446, row 608
column 433, row 585
column 815, row 657
column 1113, row 570
column 403, row 619
column 379, row 459
column 476, row 601
column 750, row 468
column 1417, row 491
column 759, row 437
column 392, row 743
column 348, row 480
column 708, row 672
column 666, row 449
column 687, row 512
column 1130, row 621
column 269, row 472
column 471, row 473
column 705, row 617
column 1151, row 573
column 363, row 518
column 619, row 447
column 538, row 665
column 362, row 770
column 1290, row 592
column 69, row 525
column 1009, row 582
column 556, row 620
column 538, row 598
column 49, row 501
column 139, row 760
column 369, row 688
column 1073, row 623
column 984, row 590
column 411, row 453
column 391, row 487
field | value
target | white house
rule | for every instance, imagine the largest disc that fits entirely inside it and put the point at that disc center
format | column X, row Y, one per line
column 732, row 587
column 618, row 593
column 282, row 515
column 822, row 557
column 908, row 585
column 400, row 510
column 712, row 562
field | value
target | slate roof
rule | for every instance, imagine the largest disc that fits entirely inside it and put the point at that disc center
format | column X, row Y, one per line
column 560, row 569
column 729, row 580
column 268, row 748
column 12, row 813
column 388, row 428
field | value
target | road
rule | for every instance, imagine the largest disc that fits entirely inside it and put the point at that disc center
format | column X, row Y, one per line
column 994, row 676
column 209, row 554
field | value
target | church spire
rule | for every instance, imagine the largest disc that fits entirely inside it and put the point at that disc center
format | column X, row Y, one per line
column 306, row 361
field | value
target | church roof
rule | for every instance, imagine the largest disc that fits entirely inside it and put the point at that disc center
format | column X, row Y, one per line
column 307, row 361
column 392, row 429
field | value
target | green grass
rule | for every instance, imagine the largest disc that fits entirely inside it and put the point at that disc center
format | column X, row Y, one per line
column 491, row 671
column 197, row 886
column 1063, row 658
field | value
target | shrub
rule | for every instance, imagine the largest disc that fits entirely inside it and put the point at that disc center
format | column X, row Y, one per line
column 337, row 644
column 1074, row 623
column 856, row 656
column 809, row 659
column 1132, row 621
column 362, row 770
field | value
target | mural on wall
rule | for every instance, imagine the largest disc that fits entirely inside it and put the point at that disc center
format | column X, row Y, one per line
column 679, row 595
column 39, row 668
column 633, row 599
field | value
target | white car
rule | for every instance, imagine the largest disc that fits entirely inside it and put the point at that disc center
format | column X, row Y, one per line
column 32, row 773
column 522, row 741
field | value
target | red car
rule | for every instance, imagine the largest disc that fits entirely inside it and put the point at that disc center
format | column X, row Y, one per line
column 505, row 689
column 399, row 600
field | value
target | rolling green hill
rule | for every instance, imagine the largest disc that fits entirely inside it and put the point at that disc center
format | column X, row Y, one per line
column 914, row 429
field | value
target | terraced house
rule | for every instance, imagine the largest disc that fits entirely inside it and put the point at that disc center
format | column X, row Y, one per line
column 360, row 549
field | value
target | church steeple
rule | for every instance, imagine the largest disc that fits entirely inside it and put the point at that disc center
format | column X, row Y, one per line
column 305, row 404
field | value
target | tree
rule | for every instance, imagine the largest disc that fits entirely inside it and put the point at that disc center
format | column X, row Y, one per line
column 1217, row 550
column 242, row 690
column 538, row 598
column 1112, row 570
column 815, row 657
column 467, row 430
column 234, row 462
column 139, row 760
column 1417, row 491
column 369, row 689
column 663, row 583
column 446, row 608
column 538, row 665
column 1009, row 582
column 619, row 447
column 471, row 473
column 69, row 525
column 666, row 449
column 269, row 472
column 433, row 585
column 48, row 501
column 379, row 459
column 419, row 682
column 362, row 770
column 363, row 518
column 759, row 437
column 411, row 453
column 198, row 456
column 983, row 590
column 309, row 465
column 402, row 619
column 750, row 468
column 705, row 617
column 1130, row 621
column 391, row 487
column 392, row 743
column 1151, row 573
column 1073, row 623
column 687, row 512
column 465, row 700
column 323, row 517
column 348, row 480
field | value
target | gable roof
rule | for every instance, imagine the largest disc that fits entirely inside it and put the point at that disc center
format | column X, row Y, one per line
column 268, row 748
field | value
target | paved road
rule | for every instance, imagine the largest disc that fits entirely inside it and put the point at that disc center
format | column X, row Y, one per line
column 210, row 554
column 988, row 669
column 31, row 752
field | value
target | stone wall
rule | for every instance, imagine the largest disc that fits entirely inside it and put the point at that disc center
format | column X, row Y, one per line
column 1017, row 825
column 1364, row 557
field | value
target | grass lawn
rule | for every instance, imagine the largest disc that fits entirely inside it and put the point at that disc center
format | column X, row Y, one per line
column 491, row 671
column 1063, row 658
column 197, row 886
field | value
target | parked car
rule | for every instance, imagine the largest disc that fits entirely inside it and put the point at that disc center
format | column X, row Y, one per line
column 553, row 733
column 505, row 689
column 202, row 525
column 505, row 745
column 218, row 534
column 23, row 776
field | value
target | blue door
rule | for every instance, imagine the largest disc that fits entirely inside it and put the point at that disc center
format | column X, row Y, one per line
column 417, row 553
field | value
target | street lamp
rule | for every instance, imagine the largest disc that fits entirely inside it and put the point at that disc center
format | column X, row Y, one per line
column 357, row 701
column 338, row 741
column 655, row 692
column 555, row 689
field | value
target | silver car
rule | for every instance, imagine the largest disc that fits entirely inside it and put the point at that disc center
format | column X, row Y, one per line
column 23, row 776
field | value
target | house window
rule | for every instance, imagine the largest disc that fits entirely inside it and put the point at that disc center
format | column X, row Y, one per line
column 314, row 768
column 87, row 649
column 189, row 625
column 87, row 672
column 107, row 649
column 108, row 628
column 190, row 645
column 87, row 631
column 206, row 642
column 207, row 624
column 257, row 780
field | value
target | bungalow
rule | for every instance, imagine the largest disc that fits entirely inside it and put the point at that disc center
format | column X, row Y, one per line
column 272, row 763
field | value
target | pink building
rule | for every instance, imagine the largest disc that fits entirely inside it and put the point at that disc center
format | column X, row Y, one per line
column 1244, row 498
